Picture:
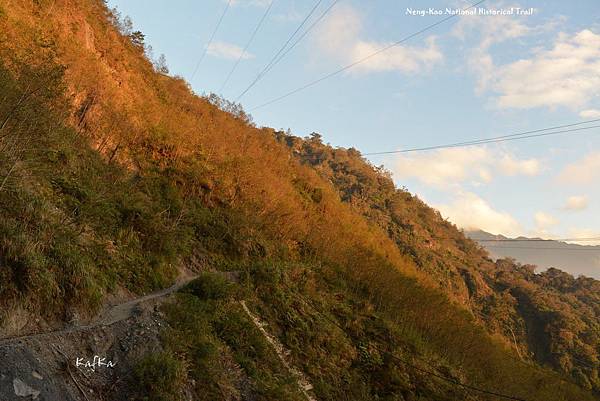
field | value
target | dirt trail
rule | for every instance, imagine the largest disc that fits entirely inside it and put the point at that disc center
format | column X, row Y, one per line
column 111, row 314
column 41, row 364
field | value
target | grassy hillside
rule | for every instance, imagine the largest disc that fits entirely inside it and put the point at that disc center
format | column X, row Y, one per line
column 551, row 317
column 112, row 175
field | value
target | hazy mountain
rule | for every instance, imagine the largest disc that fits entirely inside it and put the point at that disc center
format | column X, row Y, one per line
column 571, row 258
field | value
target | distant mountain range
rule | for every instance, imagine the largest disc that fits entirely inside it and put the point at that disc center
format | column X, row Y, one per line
column 571, row 258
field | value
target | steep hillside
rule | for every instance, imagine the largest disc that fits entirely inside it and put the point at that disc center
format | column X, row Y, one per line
column 549, row 317
column 114, row 175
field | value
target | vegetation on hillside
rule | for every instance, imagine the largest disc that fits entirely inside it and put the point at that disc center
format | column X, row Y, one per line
column 549, row 317
column 113, row 174
column 72, row 225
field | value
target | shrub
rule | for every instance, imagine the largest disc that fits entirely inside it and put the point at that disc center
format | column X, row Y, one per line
column 210, row 286
column 158, row 377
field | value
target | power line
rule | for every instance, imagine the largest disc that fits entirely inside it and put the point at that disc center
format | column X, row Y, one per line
column 538, row 130
column 405, row 361
column 273, row 60
column 306, row 32
column 212, row 36
column 362, row 60
column 263, row 71
column 504, row 138
column 264, row 16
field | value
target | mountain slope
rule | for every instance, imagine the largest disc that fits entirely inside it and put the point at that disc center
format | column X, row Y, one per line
column 115, row 174
column 551, row 317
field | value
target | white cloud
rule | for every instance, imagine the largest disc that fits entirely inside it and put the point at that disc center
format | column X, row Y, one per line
column 565, row 75
column 491, row 30
column 471, row 212
column 494, row 28
column 511, row 166
column 590, row 113
column 444, row 168
column 339, row 37
column 576, row 203
column 584, row 171
column 339, row 30
column 544, row 221
column 398, row 58
column 447, row 168
column 227, row 51
column 584, row 233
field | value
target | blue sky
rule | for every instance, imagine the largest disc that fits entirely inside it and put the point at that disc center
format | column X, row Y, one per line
column 472, row 77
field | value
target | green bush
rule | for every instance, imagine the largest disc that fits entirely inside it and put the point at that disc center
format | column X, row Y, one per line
column 210, row 286
column 159, row 377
